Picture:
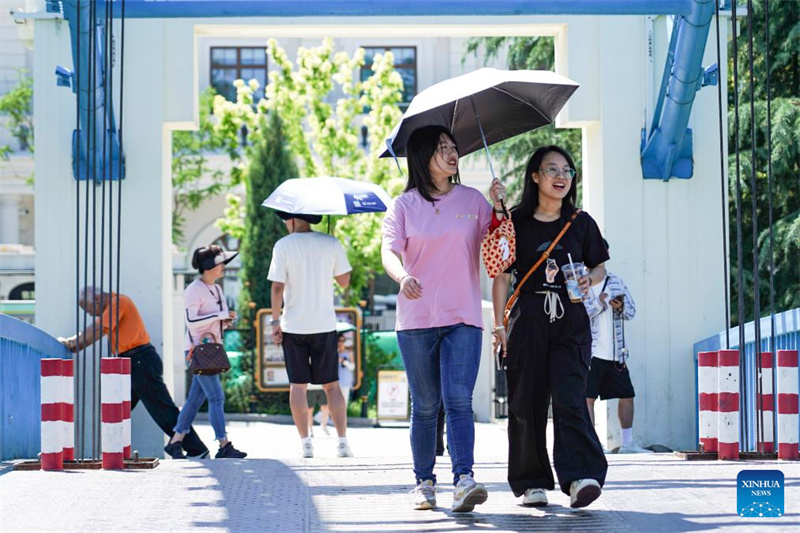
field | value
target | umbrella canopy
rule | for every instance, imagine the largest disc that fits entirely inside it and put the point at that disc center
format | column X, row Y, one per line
column 505, row 102
column 327, row 196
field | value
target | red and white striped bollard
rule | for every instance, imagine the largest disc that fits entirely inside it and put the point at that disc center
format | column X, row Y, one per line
column 707, row 378
column 112, row 397
column 766, row 405
column 787, row 405
column 728, row 404
column 52, row 457
column 126, row 408
column 68, row 408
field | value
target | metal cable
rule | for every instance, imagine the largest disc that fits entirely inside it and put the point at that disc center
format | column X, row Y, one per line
column 771, row 229
column 76, row 360
column 110, row 101
column 93, row 144
column 724, row 196
column 104, row 83
column 739, row 252
column 121, row 168
column 754, row 208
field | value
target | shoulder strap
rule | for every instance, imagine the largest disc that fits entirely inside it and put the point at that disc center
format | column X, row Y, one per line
column 219, row 301
column 221, row 332
column 545, row 255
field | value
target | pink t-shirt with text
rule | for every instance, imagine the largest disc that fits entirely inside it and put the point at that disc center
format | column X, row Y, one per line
column 443, row 252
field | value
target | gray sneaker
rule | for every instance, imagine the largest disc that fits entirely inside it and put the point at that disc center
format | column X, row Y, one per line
column 468, row 494
column 343, row 450
column 582, row 492
column 308, row 450
column 534, row 498
column 424, row 495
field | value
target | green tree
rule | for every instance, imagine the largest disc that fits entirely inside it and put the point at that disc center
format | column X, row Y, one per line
column 523, row 53
column 194, row 180
column 17, row 106
column 324, row 136
column 270, row 163
column 784, row 58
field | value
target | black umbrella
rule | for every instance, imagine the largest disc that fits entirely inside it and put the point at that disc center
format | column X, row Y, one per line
column 484, row 107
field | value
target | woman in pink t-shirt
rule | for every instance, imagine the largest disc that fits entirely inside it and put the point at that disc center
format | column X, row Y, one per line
column 431, row 246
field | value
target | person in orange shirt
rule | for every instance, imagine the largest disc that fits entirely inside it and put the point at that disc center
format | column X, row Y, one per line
column 132, row 341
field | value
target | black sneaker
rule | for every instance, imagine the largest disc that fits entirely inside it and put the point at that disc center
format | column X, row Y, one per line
column 175, row 450
column 229, row 452
column 203, row 455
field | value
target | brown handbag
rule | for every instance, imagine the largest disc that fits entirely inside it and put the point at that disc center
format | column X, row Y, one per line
column 545, row 255
column 209, row 358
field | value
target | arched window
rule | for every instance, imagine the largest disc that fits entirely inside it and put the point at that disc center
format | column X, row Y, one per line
column 25, row 291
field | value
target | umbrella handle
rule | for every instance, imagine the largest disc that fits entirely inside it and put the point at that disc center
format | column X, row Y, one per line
column 483, row 138
column 391, row 151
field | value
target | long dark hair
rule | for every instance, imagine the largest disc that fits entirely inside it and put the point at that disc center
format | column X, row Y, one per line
column 422, row 145
column 530, row 191
column 204, row 256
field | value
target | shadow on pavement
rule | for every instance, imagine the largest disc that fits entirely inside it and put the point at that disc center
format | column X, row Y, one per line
column 259, row 495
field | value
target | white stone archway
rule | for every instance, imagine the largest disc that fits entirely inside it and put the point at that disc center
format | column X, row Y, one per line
column 665, row 237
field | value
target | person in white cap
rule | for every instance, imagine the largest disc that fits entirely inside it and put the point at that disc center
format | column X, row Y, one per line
column 206, row 314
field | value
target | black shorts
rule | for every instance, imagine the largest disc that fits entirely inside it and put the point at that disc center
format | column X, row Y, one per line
column 311, row 358
column 607, row 380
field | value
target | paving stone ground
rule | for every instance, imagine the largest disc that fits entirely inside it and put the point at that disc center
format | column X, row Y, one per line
column 273, row 490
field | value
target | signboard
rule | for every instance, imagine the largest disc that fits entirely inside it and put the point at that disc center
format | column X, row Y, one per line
column 392, row 395
column 271, row 373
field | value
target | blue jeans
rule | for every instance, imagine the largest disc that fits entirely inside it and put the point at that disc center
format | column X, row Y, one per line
column 204, row 387
column 442, row 366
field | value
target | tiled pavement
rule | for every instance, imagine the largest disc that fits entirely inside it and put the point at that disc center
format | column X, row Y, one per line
column 274, row 491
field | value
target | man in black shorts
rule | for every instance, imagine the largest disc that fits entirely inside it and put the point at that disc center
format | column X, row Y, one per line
column 609, row 378
column 304, row 265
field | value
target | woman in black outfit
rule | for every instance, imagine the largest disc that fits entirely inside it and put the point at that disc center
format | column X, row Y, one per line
column 547, row 348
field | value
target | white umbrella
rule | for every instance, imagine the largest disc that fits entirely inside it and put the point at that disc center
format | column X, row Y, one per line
column 328, row 196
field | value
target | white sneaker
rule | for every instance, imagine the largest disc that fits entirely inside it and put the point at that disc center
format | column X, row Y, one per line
column 468, row 494
column 534, row 498
column 424, row 496
column 582, row 492
column 633, row 448
column 343, row 450
column 308, row 449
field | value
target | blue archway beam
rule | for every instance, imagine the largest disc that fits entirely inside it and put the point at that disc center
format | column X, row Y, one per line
column 369, row 8
column 668, row 151
column 92, row 98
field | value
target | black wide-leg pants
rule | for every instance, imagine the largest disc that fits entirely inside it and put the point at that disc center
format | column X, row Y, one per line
column 550, row 360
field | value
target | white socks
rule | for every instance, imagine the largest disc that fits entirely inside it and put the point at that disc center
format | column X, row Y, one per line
column 306, row 440
column 627, row 436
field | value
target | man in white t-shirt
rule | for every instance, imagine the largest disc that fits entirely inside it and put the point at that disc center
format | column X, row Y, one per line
column 304, row 265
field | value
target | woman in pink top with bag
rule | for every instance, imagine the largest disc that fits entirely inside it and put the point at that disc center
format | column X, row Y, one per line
column 431, row 246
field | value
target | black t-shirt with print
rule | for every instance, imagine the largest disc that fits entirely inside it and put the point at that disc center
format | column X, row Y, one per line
column 582, row 240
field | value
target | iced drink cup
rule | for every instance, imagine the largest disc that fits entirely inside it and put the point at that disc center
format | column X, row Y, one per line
column 572, row 275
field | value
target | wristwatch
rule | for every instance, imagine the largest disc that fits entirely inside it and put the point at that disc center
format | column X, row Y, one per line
column 275, row 322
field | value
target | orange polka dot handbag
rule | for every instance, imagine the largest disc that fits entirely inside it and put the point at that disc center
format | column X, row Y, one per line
column 499, row 248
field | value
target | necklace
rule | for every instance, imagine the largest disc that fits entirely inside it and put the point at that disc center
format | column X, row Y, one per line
column 442, row 197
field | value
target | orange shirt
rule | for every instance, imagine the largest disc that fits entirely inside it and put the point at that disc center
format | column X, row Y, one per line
column 132, row 332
